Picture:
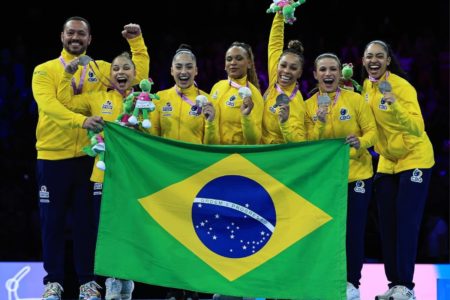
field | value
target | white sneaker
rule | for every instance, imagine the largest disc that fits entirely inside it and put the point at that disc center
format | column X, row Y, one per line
column 113, row 289
column 127, row 289
column 52, row 291
column 386, row 294
column 352, row 292
column 90, row 291
column 401, row 292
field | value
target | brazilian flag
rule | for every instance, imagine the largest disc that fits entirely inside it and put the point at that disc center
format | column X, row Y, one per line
column 253, row 221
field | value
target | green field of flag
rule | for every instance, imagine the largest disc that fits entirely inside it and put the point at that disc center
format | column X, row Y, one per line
column 255, row 221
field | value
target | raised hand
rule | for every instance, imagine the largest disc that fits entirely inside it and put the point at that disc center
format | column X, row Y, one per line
column 131, row 31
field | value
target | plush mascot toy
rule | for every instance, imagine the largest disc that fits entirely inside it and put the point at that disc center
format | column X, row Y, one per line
column 128, row 108
column 348, row 82
column 287, row 8
column 144, row 104
column 97, row 147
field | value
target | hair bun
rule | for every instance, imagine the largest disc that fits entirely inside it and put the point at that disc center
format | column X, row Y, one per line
column 296, row 45
column 184, row 47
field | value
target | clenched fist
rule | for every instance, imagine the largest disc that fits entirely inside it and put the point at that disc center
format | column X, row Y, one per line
column 131, row 31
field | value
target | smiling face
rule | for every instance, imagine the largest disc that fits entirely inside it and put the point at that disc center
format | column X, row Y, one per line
column 327, row 74
column 289, row 69
column 123, row 72
column 376, row 60
column 75, row 37
column 237, row 62
column 184, row 69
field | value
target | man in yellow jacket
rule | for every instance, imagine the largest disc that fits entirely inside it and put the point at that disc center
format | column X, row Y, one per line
column 63, row 170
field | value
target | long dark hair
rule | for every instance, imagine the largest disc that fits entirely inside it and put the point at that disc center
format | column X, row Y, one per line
column 393, row 67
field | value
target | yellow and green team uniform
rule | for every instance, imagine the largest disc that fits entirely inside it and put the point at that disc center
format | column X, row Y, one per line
column 403, row 143
column 349, row 115
column 180, row 119
column 403, row 175
column 293, row 130
column 235, row 128
column 62, row 168
column 106, row 104
column 59, row 134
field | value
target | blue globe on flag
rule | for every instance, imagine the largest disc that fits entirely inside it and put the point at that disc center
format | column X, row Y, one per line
column 234, row 216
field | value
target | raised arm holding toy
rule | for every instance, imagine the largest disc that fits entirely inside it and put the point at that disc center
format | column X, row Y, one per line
column 285, row 7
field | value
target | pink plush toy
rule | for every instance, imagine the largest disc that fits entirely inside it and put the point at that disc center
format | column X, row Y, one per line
column 287, row 8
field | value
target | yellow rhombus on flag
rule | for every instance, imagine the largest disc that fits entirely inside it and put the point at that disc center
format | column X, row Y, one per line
column 301, row 217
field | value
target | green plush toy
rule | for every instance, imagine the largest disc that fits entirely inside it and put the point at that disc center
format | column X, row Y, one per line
column 96, row 148
column 127, row 111
column 144, row 103
column 287, row 8
column 348, row 82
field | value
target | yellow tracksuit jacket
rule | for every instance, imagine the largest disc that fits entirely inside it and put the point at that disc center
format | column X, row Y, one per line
column 106, row 104
column 350, row 115
column 293, row 130
column 174, row 118
column 59, row 134
column 403, row 143
column 234, row 128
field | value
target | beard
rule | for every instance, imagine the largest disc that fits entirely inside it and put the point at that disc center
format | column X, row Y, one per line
column 76, row 50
